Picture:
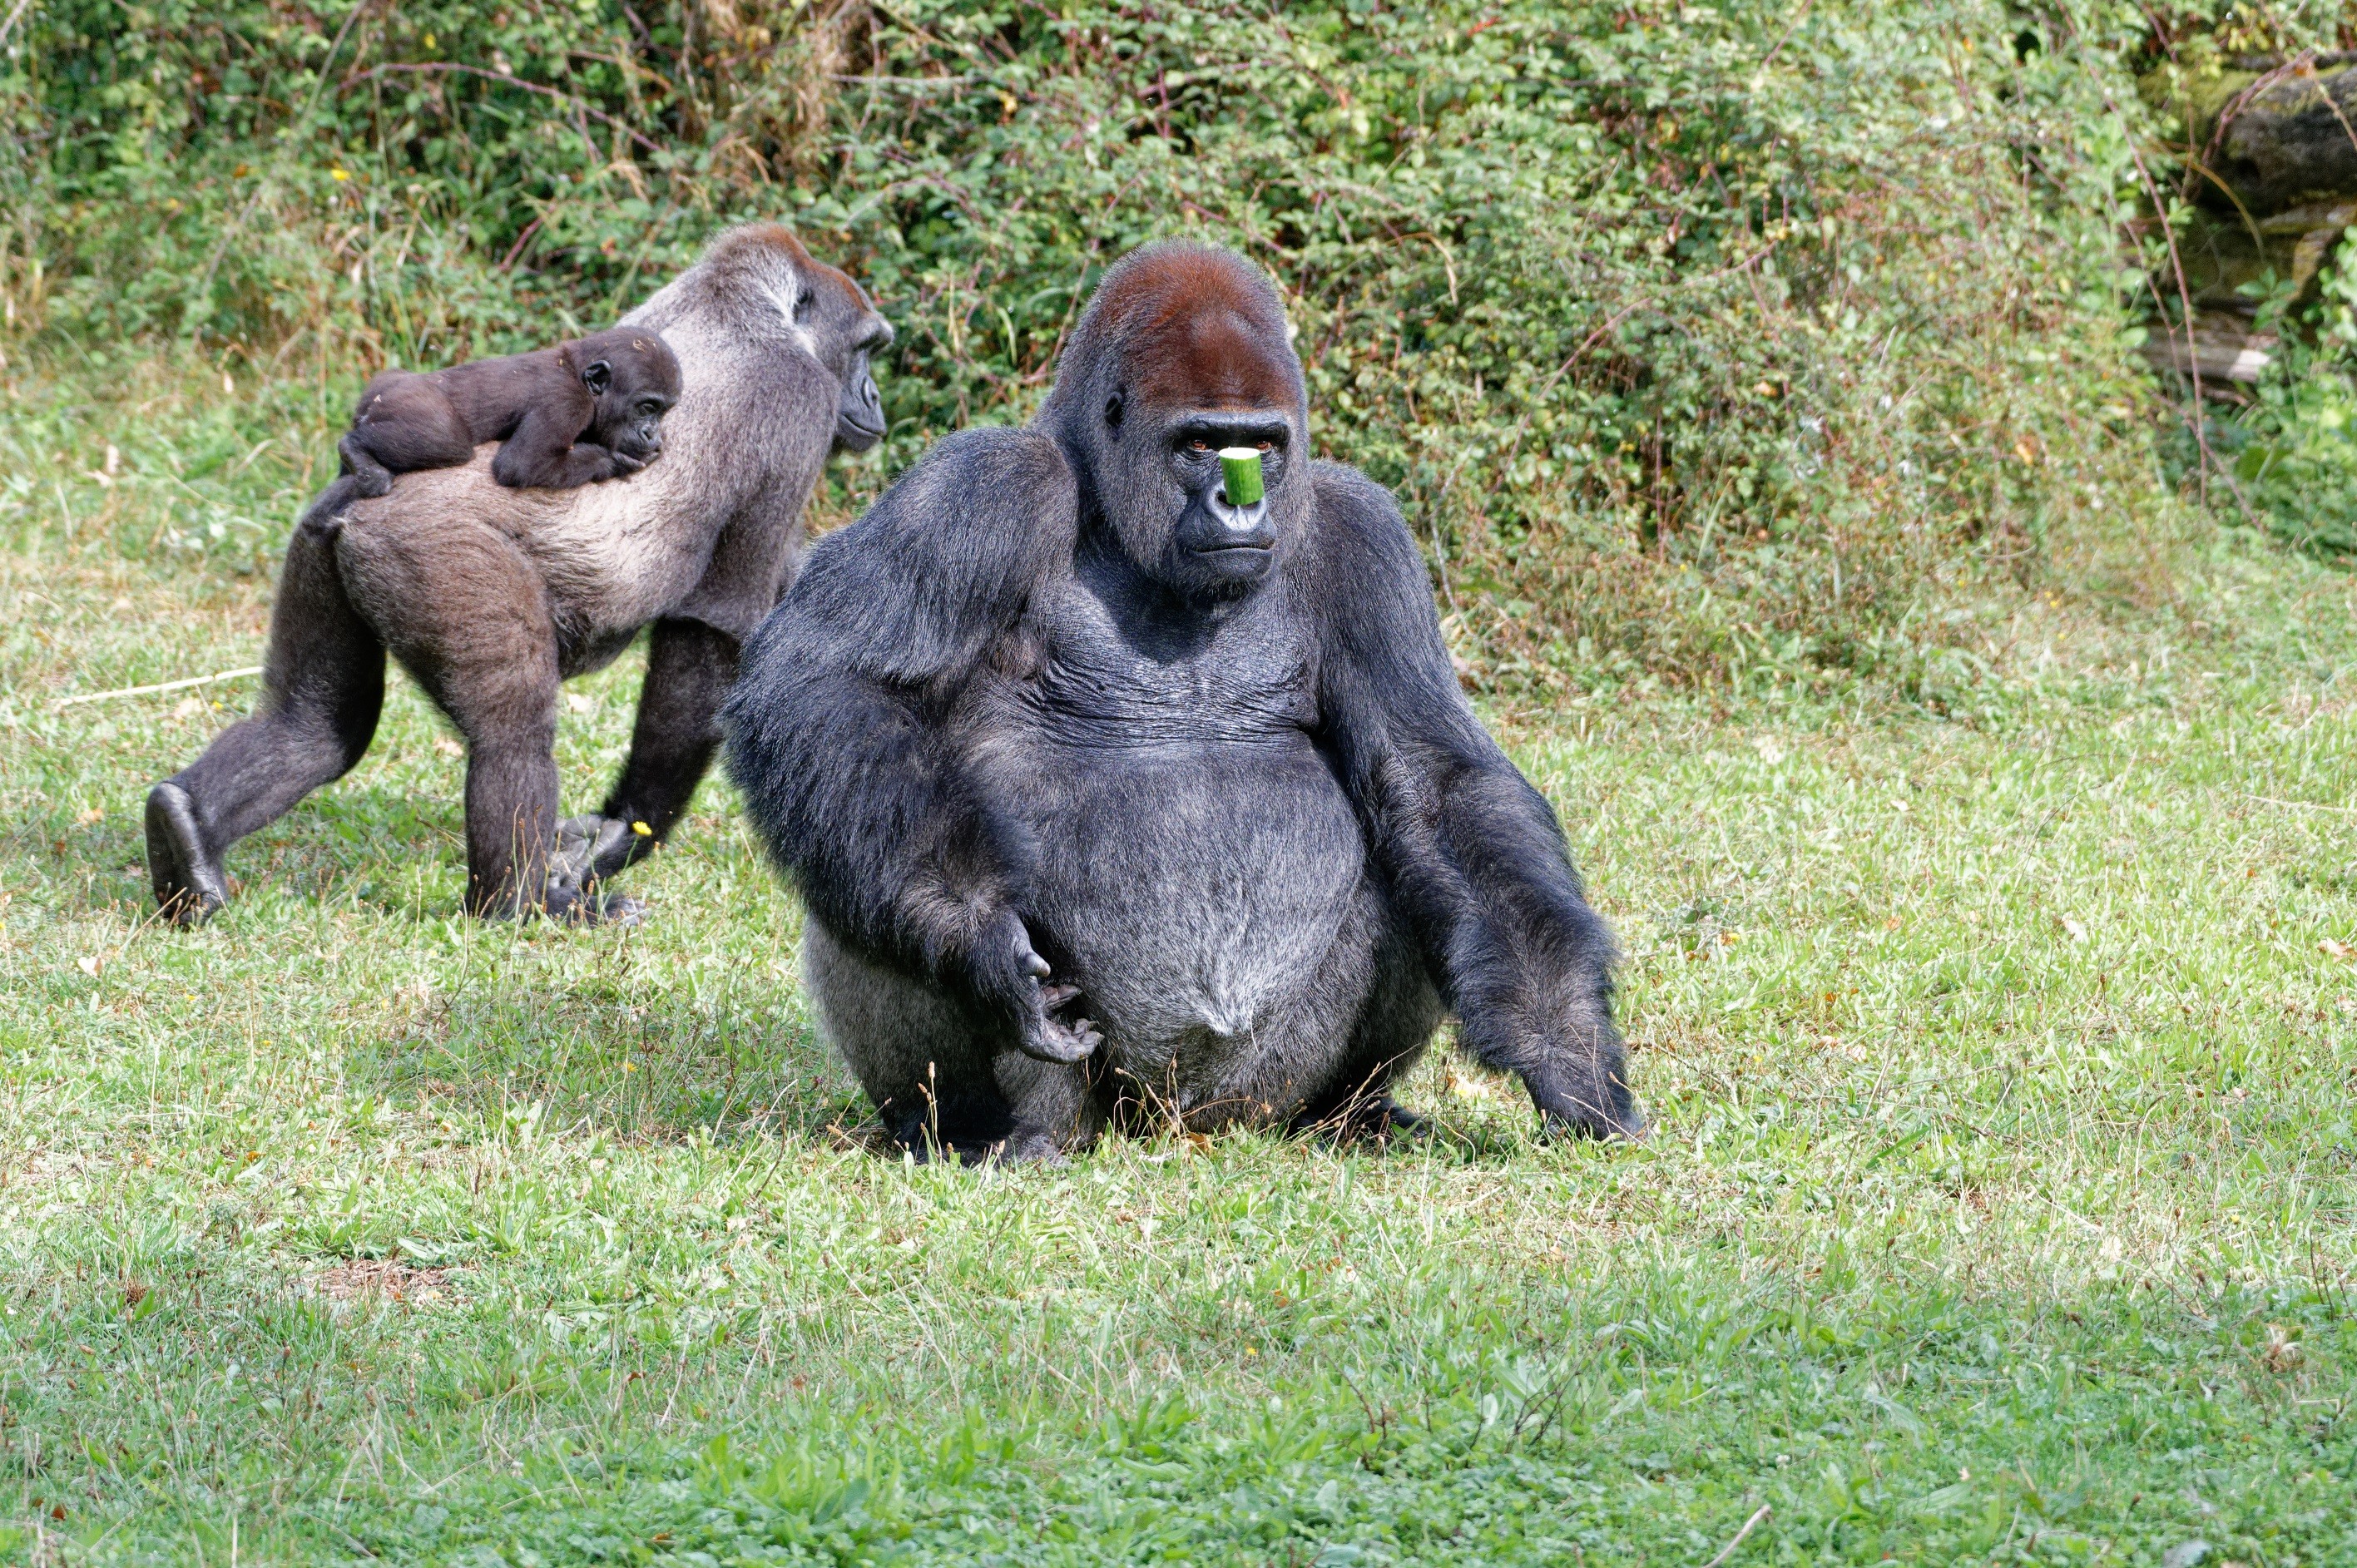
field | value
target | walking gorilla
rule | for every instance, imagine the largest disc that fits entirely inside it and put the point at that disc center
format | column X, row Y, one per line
column 1056, row 708
column 493, row 596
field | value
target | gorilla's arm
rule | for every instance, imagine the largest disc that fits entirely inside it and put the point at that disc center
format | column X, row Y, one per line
column 838, row 730
column 1473, row 852
column 543, row 453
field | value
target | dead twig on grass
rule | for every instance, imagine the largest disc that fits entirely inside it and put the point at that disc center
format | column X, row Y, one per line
column 160, row 686
column 1749, row 1526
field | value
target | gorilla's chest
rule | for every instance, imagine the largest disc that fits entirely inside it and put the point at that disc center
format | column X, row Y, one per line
column 1196, row 857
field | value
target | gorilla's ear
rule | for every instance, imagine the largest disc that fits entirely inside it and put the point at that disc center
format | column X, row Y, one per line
column 596, row 375
column 1114, row 411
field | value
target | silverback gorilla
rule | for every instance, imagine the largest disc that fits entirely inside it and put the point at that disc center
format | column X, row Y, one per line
column 1055, row 708
column 492, row 597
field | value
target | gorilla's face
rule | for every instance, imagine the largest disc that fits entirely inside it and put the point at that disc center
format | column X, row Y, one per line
column 1214, row 544
column 831, row 317
column 1188, row 358
column 844, row 330
column 634, row 379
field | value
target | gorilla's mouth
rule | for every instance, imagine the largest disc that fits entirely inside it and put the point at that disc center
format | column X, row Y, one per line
column 1231, row 543
column 1235, row 564
column 859, row 417
column 857, row 432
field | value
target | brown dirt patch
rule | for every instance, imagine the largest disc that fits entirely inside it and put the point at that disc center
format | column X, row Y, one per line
column 359, row 1278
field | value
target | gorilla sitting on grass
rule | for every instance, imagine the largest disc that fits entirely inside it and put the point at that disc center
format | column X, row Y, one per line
column 1115, row 788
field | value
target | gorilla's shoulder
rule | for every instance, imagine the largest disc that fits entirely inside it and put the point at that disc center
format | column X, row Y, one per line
column 1356, row 519
column 946, row 559
column 1360, row 542
column 1025, row 461
column 987, row 500
column 1339, row 484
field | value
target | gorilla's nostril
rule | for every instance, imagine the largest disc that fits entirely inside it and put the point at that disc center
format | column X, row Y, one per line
column 1237, row 519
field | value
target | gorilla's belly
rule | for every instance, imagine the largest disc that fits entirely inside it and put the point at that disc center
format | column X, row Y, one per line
column 1198, row 890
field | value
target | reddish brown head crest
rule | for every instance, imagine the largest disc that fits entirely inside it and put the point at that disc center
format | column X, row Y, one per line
column 1200, row 329
column 745, row 242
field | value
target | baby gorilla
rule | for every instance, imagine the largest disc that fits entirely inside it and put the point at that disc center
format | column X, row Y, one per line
column 584, row 410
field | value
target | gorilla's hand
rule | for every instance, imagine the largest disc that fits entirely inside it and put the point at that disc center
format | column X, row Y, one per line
column 1007, row 970
column 589, row 849
column 1582, row 1103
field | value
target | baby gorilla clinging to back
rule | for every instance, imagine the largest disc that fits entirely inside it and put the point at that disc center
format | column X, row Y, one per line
column 586, row 410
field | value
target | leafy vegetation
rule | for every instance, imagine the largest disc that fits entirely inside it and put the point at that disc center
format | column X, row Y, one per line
column 2295, row 450
column 1745, row 345
column 2282, row 456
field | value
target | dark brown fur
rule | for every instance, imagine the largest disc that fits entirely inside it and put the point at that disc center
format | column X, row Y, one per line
column 584, row 410
column 491, row 596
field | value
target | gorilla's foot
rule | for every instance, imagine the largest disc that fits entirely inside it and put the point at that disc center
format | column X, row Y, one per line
column 187, row 878
column 578, row 864
column 618, row 909
column 983, row 1140
column 1029, row 1146
column 588, row 848
column 1372, row 1118
column 604, row 909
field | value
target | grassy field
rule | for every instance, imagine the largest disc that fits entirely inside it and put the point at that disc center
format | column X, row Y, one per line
column 1999, row 1206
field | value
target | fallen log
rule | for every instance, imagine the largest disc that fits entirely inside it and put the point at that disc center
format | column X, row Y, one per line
column 2263, row 141
column 2220, row 347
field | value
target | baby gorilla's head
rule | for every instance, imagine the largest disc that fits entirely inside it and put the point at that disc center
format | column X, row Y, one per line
column 634, row 377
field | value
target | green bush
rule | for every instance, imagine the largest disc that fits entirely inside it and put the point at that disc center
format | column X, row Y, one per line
column 2296, row 457
column 1704, row 343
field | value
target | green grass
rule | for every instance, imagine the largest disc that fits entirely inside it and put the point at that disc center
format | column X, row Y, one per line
column 1998, row 1208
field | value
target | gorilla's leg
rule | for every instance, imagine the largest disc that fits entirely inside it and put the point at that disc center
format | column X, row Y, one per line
column 368, row 476
column 937, row 1081
column 1055, row 1105
column 470, row 618
column 322, row 688
column 1393, row 1027
column 690, row 668
column 511, row 786
column 1349, row 1036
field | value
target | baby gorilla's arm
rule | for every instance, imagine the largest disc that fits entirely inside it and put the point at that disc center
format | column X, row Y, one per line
column 544, row 455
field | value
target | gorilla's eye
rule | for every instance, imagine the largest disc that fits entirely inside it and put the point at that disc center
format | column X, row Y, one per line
column 1198, row 444
column 1113, row 412
column 803, row 305
column 1265, row 446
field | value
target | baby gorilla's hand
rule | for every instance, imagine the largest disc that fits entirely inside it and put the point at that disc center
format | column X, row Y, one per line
column 1008, row 972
